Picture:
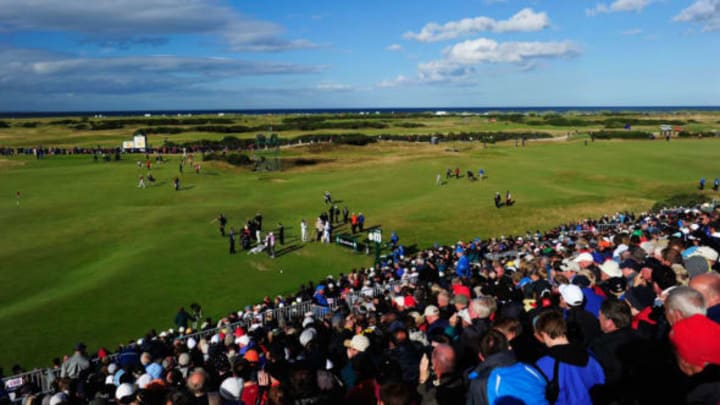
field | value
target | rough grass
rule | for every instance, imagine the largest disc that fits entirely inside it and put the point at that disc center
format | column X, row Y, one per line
column 88, row 256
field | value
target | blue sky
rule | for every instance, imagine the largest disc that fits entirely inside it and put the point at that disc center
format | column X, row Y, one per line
column 216, row 54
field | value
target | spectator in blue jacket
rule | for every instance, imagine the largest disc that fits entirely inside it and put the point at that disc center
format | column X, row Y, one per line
column 577, row 371
column 462, row 269
column 501, row 379
column 319, row 296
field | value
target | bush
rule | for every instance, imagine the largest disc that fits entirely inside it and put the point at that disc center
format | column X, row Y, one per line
column 238, row 159
column 340, row 139
column 163, row 130
column 235, row 159
column 4, row 124
column 622, row 135
column 686, row 134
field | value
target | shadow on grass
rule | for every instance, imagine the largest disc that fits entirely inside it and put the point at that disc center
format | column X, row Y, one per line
column 288, row 249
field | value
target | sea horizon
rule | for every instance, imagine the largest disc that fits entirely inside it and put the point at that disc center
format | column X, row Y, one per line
column 367, row 110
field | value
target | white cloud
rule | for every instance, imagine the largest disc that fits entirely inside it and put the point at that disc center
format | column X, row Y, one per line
column 632, row 32
column 394, row 48
column 38, row 72
column 618, row 6
column 130, row 22
column 525, row 20
column 460, row 62
column 400, row 80
column 483, row 50
column 704, row 12
column 334, row 87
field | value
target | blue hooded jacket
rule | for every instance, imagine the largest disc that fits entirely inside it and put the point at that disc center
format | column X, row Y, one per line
column 578, row 372
column 463, row 267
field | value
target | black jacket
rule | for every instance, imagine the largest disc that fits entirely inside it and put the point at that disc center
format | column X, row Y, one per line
column 582, row 326
column 449, row 391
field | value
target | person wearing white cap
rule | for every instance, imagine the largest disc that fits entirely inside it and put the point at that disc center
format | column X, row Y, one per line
column 307, row 336
column 584, row 260
column 436, row 325
column 143, row 381
column 358, row 344
column 583, row 327
column 231, row 390
column 610, row 269
column 125, row 392
column 710, row 254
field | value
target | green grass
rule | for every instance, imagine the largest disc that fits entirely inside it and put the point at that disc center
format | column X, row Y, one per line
column 88, row 256
column 60, row 135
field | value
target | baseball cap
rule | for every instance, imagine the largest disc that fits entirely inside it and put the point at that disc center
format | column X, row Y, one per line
column 611, row 268
column 697, row 340
column 696, row 265
column 461, row 299
column 572, row 294
column 231, row 388
column 617, row 285
column 431, row 310
column 360, row 343
column 584, row 257
column 640, row 297
column 706, row 252
column 124, row 390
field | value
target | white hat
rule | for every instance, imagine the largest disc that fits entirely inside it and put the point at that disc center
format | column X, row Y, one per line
column 124, row 390
column 112, row 368
column 359, row 343
column 584, row 257
column 707, row 252
column 572, row 294
column 143, row 381
column 611, row 268
column 243, row 340
column 307, row 321
column 431, row 310
column 231, row 389
column 58, row 398
column 191, row 343
column 215, row 339
column 307, row 336
column 569, row 265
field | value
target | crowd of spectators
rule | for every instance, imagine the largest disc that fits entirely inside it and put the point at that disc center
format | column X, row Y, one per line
column 624, row 310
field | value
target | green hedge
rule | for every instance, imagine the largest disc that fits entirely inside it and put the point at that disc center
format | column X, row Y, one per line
column 706, row 134
column 236, row 159
column 622, row 135
column 681, row 200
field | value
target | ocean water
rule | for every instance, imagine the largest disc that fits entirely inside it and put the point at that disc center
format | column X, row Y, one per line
column 370, row 110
